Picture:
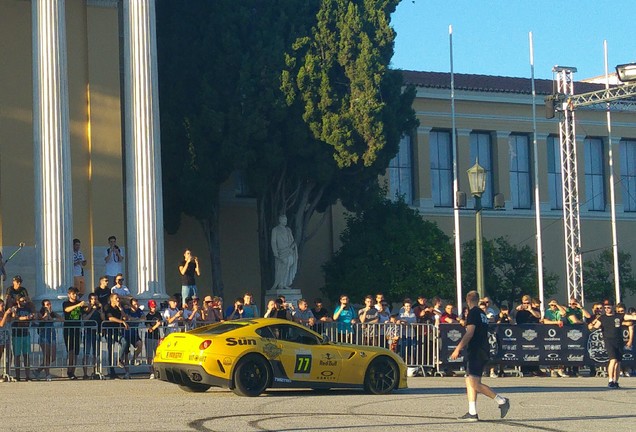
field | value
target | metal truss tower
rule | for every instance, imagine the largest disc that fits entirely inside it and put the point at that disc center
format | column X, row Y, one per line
column 566, row 102
column 569, row 181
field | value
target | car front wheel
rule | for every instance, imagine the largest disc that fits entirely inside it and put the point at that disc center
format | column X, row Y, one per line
column 382, row 377
column 251, row 376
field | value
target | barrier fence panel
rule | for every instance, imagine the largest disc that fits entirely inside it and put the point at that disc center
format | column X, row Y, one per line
column 417, row 344
column 5, row 350
column 43, row 349
column 130, row 350
column 539, row 345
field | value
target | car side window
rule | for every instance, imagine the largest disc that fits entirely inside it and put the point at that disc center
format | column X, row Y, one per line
column 300, row 335
column 288, row 333
column 268, row 332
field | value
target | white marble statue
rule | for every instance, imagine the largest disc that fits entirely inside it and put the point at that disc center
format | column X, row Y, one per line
column 285, row 254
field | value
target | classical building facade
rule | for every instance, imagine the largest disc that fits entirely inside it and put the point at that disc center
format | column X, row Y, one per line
column 79, row 158
column 494, row 123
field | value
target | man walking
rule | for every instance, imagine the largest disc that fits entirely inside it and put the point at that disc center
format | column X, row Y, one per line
column 611, row 323
column 476, row 356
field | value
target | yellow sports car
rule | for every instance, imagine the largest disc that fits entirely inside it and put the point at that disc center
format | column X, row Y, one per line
column 251, row 355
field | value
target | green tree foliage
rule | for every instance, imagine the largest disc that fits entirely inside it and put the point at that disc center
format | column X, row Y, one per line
column 389, row 248
column 598, row 276
column 510, row 271
column 353, row 111
column 233, row 98
column 219, row 76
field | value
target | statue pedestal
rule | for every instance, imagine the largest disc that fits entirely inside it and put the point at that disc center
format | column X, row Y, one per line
column 292, row 295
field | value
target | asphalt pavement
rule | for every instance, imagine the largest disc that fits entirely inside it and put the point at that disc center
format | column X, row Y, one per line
column 429, row 404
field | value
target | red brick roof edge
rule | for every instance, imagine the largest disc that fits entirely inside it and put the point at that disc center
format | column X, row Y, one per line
column 490, row 83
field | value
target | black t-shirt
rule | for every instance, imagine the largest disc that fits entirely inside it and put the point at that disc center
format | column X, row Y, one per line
column 103, row 295
column 323, row 312
column 74, row 315
column 479, row 341
column 611, row 325
column 151, row 320
column 188, row 277
column 92, row 316
column 111, row 312
column 525, row 317
column 15, row 294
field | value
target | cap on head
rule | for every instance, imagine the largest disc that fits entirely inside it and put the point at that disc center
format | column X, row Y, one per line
column 152, row 303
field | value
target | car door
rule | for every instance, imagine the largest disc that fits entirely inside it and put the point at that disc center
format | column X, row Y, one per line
column 305, row 358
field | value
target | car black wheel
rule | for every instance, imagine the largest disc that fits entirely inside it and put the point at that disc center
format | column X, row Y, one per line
column 251, row 376
column 195, row 387
column 382, row 377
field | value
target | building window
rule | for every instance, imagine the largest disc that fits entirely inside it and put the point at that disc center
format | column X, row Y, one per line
column 628, row 174
column 441, row 168
column 594, row 174
column 520, row 171
column 401, row 172
column 480, row 151
column 555, row 184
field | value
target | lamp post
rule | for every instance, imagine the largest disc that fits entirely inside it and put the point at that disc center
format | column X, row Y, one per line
column 477, row 180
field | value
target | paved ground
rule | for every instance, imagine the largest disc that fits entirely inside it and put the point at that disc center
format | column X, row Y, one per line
column 538, row 404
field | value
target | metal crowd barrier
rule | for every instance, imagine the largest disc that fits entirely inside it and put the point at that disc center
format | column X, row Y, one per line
column 417, row 344
column 5, row 349
column 40, row 349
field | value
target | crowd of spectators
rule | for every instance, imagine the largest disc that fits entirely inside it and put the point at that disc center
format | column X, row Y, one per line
column 117, row 316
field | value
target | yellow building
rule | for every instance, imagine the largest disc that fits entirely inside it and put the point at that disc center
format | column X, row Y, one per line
column 79, row 158
column 494, row 123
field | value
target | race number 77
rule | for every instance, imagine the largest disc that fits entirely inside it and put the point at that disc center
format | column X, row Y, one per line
column 303, row 363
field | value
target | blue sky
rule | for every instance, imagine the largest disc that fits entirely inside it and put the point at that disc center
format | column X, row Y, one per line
column 491, row 37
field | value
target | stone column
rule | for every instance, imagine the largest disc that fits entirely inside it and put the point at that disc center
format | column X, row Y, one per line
column 144, row 204
column 51, row 136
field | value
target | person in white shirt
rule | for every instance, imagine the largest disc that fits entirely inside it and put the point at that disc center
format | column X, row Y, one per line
column 78, row 268
column 114, row 260
column 121, row 290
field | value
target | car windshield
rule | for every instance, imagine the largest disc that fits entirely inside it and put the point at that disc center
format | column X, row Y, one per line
column 224, row 327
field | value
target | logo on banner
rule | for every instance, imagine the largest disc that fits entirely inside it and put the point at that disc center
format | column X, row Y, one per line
column 509, row 347
column 529, row 347
column 554, row 356
column 628, row 356
column 508, row 332
column 575, row 335
column 492, row 342
column 575, row 358
column 529, row 335
column 531, row 358
column 509, row 356
column 454, row 335
column 552, row 332
column 596, row 347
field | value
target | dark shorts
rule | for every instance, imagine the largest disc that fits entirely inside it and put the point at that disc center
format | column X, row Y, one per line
column 475, row 365
column 614, row 350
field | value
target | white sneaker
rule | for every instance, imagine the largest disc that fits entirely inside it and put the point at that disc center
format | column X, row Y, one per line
column 152, row 376
column 49, row 377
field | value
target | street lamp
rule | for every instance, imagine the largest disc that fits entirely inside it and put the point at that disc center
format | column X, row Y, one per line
column 626, row 72
column 477, row 180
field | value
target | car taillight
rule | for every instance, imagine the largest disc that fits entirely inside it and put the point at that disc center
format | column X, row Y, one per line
column 205, row 344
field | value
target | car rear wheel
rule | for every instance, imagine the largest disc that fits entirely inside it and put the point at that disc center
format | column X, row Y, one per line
column 382, row 377
column 251, row 376
column 195, row 388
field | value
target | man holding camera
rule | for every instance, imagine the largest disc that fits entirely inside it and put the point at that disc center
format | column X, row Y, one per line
column 236, row 311
column 188, row 268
